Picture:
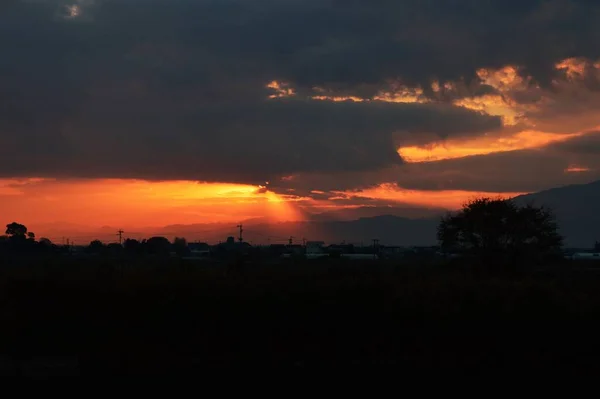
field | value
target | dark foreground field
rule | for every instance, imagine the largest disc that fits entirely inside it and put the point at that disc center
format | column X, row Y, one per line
column 108, row 316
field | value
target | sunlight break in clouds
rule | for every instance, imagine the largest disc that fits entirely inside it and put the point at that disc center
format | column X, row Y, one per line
column 509, row 84
column 506, row 81
column 73, row 11
column 577, row 169
column 281, row 89
column 402, row 94
column 77, row 9
column 493, row 104
column 503, row 79
column 449, row 199
column 452, row 149
column 399, row 94
column 574, row 67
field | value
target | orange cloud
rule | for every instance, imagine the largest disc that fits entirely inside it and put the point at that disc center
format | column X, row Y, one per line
column 340, row 98
column 451, row 149
column 281, row 89
column 449, row 199
column 576, row 169
column 574, row 67
column 493, row 104
column 503, row 79
column 402, row 94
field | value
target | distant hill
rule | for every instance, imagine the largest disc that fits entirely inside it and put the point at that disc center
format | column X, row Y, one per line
column 405, row 211
column 577, row 208
column 389, row 229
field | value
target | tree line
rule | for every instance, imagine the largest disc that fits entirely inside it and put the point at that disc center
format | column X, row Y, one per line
column 495, row 231
column 153, row 245
column 19, row 239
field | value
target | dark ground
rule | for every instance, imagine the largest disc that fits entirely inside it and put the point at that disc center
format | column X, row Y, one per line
column 90, row 316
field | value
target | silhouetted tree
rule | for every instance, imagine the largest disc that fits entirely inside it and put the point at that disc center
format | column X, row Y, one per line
column 114, row 248
column 96, row 247
column 15, row 229
column 499, row 230
column 45, row 242
column 19, row 239
column 158, row 246
column 4, row 243
column 131, row 245
column 180, row 246
column 43, row 245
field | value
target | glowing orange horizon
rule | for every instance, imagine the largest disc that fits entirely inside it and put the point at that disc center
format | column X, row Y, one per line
column 139, row 203
column 144, row 204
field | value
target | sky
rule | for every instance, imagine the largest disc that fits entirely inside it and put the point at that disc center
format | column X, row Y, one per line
column 157, row 112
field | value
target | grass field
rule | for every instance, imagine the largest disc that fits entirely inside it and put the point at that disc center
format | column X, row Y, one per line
column 169, row 316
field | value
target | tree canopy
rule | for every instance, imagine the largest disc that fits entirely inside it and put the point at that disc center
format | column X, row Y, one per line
column 19, row 240
column 158, row 245
column 15, row 229
column 96, row 247
column 499, row 229
column 180, row 246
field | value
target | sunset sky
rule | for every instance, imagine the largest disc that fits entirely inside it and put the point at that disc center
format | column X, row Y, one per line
column 141, row 113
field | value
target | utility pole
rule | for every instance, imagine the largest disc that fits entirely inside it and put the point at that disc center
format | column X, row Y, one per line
column 120, row 234
column 241, row 227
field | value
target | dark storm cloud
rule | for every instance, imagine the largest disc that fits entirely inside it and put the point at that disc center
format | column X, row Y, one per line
column 249, row 142
column 165, row 89
column 570, row 162
column 589, row 144
column 320, row 42
column 168, row 90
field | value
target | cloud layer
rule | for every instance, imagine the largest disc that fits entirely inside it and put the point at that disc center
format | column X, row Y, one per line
column 177, row 89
